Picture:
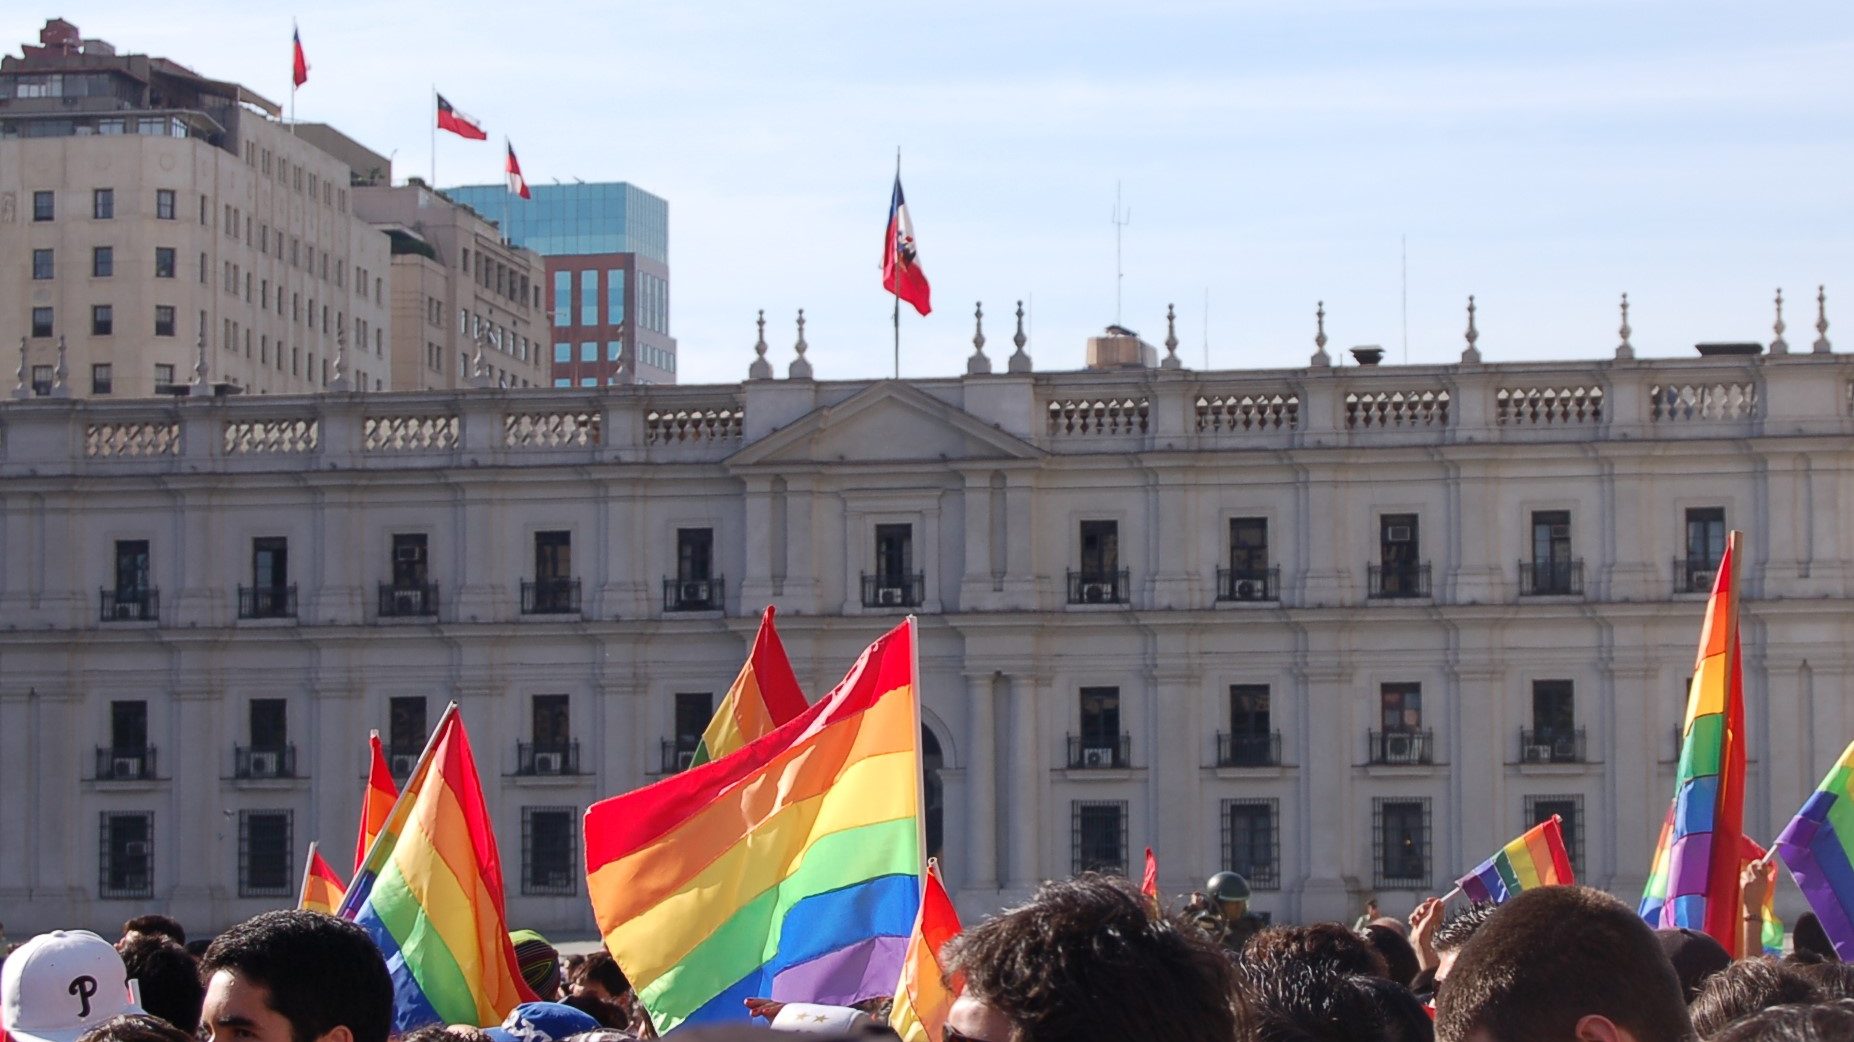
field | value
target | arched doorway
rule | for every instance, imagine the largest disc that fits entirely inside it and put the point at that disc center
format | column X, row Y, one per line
column 933, row 791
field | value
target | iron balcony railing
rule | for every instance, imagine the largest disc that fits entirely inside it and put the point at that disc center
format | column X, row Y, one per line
column 694, row 594
column 1100, row 752
column 1248, row 750
column 408, row 600
column 550, row 597
column 130, row 605
column 1401, row 747
column 1551, row 578
column 1090, row 587
column 1551, row 745
column 135, row 763
column 267, row 602
column 893, row 591
column 1390, row 581
column 267, row 762
column 678, row 755
column 546, row 758
column 1249, row 584
column 1694, row 574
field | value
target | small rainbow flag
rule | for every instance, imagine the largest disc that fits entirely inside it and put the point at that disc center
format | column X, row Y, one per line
column 322, row 888
column 377, row 802
column 1149, row 883
column 1818, row 847
column 1533, row 860
column 790, row 869
column 430, row 894
column 923, row 995
column 1693, row 881
column 1770, row 932
column 765, row 695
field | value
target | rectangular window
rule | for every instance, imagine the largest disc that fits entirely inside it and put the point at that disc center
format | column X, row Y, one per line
column 1100, row 743
column 1249, row 547
column 1250, row 841
column 563, row 298
column 894, row 555
column 132, row 580
column 589, row 298
column 1398, row 560
column 128, row 727
column 693, row 711
column 164, row 262
column 405, row 727
column 126, row 855
column 1099, row 836
column 695, row 553
column 1570, row 812
column 614, row 296
column 551, row 721
column 42, row 264
column 41, row 322
column 164, row 320
column 1402, row 841
column 103, row 204
column 553, row 555
column 264, row 853
column 1552, row 714
column 163, row 374
column 270, row 562
column 409, row 560
column 1100, row 550
column 43, row 207
column 589, row 351
column 102, row 320
column 589, row 381
column 548, row 854
column 269, row 720
column 1401, row 707
column 1552, row 569
column 102, row 262
column 41, row 380
column 1705, row 547
column 614, row 350
column 164, row 204
column 100, row 378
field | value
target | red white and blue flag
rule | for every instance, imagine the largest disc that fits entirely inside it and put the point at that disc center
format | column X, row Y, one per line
column 518, row 185
column 901, row 264
column 299, row 62
column 457, row 123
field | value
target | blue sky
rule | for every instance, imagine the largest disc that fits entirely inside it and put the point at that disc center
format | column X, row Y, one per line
column 1544, row 156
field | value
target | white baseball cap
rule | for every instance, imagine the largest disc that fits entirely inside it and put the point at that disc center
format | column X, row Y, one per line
column 61, row 984
column 810, row 1018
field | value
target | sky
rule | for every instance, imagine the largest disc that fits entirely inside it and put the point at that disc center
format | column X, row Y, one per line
column 1542, row 155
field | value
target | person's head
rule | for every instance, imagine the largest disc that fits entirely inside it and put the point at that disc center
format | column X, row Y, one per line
column 1454, row 932
column 598, row 974
column 1745, row 987
column 61, row 984
column 1824, row 1022
column 542, row 1022
column 159, row 925
column 169, row 978
column 1326, row 945
column 1400, row 963
column 1086, row 960
column 1832, row 980
column 1808, row 936
column 295, row 976
column 539, row 962
column 606, row 1011
column 1695, row 955
column 1559, row 963
column 1307, row 1002
column 135, row 1027
column 1371, row 907
column 1228, row 893
column 1405, row 1018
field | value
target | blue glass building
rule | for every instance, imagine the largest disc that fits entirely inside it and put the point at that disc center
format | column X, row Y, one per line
column 609, row 217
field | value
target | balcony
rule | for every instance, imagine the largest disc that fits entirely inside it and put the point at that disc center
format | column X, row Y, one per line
column 1403, row 748
column 1551, row 578
column 1394, row 581
column 1248, row 584
column 1100, row 752
column 1694, row 575
column 550, row 597
column 1551, row 745
column 546, row 759
column 408, row 600
column 143, row 605
column 267, row 602
column 678, row 756
column 1249, row 750
column 694, row 594
column 893, row 591
column 1091, row 587
column 250, row 763
column 126, row 764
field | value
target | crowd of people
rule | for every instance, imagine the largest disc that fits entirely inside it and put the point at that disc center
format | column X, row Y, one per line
column 1086, row 959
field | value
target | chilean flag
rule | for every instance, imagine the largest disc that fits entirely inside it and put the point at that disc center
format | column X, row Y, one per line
column 457, row 123
column 901, row 267
column 518, row 185
column 299, row 63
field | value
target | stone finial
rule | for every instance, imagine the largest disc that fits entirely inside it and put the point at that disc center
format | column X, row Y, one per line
column 800, row 369
column 1625, row 350
column 761, row 369
column 1172, row 360
column 340, row 381
column 978, row 363
column 479, row 366
column 60, row 389
column 22, row 389
column 1821, row 345
column 1320, row 358
column 1020, row 360
column 1779, row 346
column 1471, row 355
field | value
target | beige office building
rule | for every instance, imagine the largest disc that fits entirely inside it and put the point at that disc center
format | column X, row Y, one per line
column 145, row 208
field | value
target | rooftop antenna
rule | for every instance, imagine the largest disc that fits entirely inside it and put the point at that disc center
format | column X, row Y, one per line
column 1403, row 251
column 1206, row 328
column 1121, row 219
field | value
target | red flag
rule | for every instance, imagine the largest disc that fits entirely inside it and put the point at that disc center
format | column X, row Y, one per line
column 901, row 268
column 923, row 996
column 299, row 63
column 457, row 123
column 322, row 888
column 1149, row 884
column 518, row 185
column 377, row 803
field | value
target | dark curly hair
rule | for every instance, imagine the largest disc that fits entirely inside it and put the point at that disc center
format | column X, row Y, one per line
column 135, row 1027
column 168, row 977
column 1456, row 929
column 1298, row 1001
column 321, row 972
column 1747, row 986
column 1086, row 960
column 1325, row 945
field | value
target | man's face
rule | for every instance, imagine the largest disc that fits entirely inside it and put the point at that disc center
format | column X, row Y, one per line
column 974, row 1021
column 237, row 1010
column 1234, row 910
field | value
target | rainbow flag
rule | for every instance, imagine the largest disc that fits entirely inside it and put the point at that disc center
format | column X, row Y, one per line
column 1533, row 860
column 1770, row 932
column 322, row 888
column 765, row 695
column 1149, row 883
column 790, row 869
column 376, row 802
column 923, row 995
column 430, row 894
column 1694, row 879
column 1818, row 847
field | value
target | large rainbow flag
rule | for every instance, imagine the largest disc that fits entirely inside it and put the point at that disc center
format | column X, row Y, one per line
column 1818, row 847
column 377, row 802
column 322, row 888
column 1535, row 859
column 1694, row 879
column 765, row 695
column 789, row 870
column 924, row 995
column 430, row 894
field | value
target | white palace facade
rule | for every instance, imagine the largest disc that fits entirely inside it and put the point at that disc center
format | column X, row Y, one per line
column 1347, row 629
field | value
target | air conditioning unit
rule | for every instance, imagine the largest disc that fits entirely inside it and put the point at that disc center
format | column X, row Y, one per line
column 1397, row 534
column 125, row 609
column 1248, row 590
column 1564, row 748
column 1700, row 580
column 1399, row 748
column 1561, row 531
column 1097, row 757
column 136, row 848
column 547, row 763
column 685, row 759
column 694, row 592
column 402, row 763
column 126, row 767
column 1096, row 593
column 408, row 602
column 263, row 765
column 890, row 595
column 1537, row 754
column 409, row 554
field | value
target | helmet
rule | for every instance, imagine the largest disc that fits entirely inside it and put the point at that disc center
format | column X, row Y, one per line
column 1227, row 886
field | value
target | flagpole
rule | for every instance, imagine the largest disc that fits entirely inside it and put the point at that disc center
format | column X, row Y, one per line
column 401, row 809
column 897, row 287
column 295, row 42
column 434, row 138
column 507, row 151
column 302, row 892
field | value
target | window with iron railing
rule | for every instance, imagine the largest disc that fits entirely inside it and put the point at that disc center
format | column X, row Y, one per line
column 265, row 854
column 1400, row 836
column 125, row 855
column 1098, row 836
column 1251, row 841
column 549, row 850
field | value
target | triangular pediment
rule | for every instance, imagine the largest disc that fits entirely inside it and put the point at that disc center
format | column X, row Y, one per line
column 886, row 422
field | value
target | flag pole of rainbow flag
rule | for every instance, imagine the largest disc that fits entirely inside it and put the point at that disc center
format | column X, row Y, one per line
column 1694, row 879
column 765, row 695
column 376, row 802
column 322, row 888
column 789, row 870
column 1818, row 847
column 1535, row 859
column 924, row 995
column 429, row 892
